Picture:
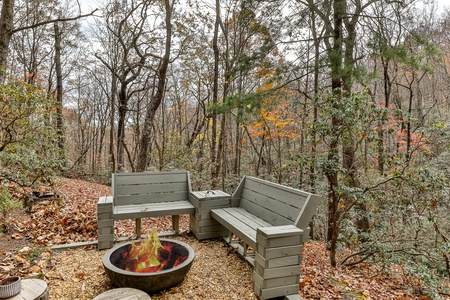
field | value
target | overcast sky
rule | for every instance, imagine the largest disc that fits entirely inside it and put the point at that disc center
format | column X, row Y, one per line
column 441, row 4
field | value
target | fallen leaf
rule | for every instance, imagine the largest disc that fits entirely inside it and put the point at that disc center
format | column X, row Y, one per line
column 17, row 236
column 35, row 269
column 52, row 275
column 25, row 250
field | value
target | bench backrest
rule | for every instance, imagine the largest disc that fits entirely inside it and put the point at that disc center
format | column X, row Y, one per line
column 274, row 203
column 150, row 187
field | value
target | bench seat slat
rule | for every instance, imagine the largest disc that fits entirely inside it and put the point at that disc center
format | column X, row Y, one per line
column 250, row 219
column 153, row 210
column 240, row 222
column 125, row 200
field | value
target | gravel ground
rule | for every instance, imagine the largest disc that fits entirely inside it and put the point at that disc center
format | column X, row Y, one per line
column 216, row 273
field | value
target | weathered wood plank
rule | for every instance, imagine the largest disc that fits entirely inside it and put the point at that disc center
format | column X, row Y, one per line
column 274, row 282
column 307, row 212
column 204, row 222
column 277, row 272
column 269, row 253
column 209, row 235
column 259, row 199
column 237, row 194
column 277, row 262
column 285, row 194
column 202, row 215
column 153, row 210
column 149, row 198
column 279, row 231
column 149, row 177
column 250, row 219
column 210, row 194
column 275, row 292
column 155, row 188
column 206, row 205
column 265, row 214
column 233, row 219
column 279, row 242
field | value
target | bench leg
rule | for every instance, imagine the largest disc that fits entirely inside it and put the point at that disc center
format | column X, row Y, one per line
column 176, row 223
column 138, row 228
column 230, row 237
column 245, row 247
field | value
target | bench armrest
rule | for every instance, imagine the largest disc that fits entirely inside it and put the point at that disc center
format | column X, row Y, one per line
column 105, row 200
column 279, row 236
column 105, row 205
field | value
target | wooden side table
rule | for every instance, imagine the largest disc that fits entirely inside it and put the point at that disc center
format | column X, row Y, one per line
column 32, row 289
column 201, row 223
column 123, row 293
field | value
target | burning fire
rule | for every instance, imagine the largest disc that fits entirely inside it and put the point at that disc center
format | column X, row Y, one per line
column 150, row 255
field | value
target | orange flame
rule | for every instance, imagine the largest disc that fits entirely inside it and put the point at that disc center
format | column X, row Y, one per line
column 145, row 253
column 150, row 255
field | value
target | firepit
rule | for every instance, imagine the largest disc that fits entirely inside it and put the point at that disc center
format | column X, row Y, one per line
column 148, row 267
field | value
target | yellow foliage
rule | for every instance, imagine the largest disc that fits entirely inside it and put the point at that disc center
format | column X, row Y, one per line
column 275, row 120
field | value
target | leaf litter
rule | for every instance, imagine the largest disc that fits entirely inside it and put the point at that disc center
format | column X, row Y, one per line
column 217, row 272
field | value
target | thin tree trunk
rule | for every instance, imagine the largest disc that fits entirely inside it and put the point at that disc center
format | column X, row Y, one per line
column 112, row 159
column 59, row 87
column 156, row 100
column 6, row 32
column 387, row 96
column 215, row 97
column 123, row 103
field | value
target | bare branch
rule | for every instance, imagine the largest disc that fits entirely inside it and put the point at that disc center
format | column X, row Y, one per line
column 53, row 21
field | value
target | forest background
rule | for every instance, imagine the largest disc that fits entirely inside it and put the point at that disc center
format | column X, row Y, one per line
column 345, row 99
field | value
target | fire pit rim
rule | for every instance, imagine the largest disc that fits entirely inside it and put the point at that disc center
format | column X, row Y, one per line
column 108, row 264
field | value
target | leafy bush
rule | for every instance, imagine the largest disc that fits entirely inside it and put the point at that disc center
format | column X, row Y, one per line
column 29, row 150
column 7, row 205
column 410, row 227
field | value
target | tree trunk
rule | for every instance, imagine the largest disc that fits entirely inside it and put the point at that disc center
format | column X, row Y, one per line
column 6, row 32
column 349, row 148
column 155, row 102
column 387, row 95
column 335, row 55
column 215, row 97
column 59, row 87
column 123, row 103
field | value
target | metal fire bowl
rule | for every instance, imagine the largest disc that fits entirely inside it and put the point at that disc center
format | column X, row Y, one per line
column 151, row 282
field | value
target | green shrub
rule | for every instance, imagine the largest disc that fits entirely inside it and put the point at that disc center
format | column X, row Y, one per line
column 7, row 203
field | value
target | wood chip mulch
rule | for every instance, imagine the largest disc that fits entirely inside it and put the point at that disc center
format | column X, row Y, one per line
column 216, row 273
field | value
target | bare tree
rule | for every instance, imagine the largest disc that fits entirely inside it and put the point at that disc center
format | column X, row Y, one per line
column 158, row 95
column 126, row 31
column 7, row 29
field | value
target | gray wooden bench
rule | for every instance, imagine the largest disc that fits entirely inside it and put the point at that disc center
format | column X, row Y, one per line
column 143, row 195
column 273, row 220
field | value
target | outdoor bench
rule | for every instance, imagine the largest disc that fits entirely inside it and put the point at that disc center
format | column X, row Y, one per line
column 143, row 195
column 273, row 220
